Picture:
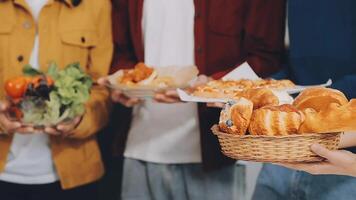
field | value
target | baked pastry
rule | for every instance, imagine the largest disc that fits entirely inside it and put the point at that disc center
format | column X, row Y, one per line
column 235, row 117
column 319, row 98
column 219, row 89
column 260, row 97
column 274, row 84
column 276, row 120
column 335, row 118
column 211, row 92
column 228, row 89
column 141, row 74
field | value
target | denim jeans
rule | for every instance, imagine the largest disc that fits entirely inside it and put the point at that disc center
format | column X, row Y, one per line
column 279, row 183
column 150, row 181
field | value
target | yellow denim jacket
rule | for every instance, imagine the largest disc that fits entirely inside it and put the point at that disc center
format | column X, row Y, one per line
column 68, row 32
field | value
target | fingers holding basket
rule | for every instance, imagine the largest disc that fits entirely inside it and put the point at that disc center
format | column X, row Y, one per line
column 337, row 162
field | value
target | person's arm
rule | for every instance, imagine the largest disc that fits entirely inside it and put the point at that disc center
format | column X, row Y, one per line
column 346, row 85
column 97, row 108
column 338, row 162
column 264, row 35
column 8, row 126
column 124, row 53
column 264, row 29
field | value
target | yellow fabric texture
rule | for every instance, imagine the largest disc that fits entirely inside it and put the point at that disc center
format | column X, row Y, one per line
column 68, row 33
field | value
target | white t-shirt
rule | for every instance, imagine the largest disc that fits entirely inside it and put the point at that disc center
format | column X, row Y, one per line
column 30, row 158
column 166, row 133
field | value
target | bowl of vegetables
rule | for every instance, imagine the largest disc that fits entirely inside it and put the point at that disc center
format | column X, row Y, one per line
column 47, row 98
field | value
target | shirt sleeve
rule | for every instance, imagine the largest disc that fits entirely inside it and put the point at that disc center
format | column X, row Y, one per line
column 124, row 53
column 97, row 108
column 264, row 35
column 347, row 85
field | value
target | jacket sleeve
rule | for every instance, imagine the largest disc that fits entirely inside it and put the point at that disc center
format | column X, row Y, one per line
column 347, row 85
column 97, row 108
column 264, row 35
column 124, row 53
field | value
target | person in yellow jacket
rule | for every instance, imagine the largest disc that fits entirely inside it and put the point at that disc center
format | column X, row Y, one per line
column 62, row 162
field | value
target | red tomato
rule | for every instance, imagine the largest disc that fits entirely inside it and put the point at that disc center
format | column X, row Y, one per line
column 16, row 112
column 50, row 81
column 16, row 87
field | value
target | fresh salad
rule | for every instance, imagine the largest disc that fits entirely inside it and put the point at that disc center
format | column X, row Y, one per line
column 44, row 99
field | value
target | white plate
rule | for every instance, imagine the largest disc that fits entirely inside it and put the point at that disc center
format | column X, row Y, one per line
column 182, row 77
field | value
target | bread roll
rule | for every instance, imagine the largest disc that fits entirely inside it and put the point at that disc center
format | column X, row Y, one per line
column 276, row 120
column 335, row 118
column 319, row 98
column 259, row 97
column 235, row 117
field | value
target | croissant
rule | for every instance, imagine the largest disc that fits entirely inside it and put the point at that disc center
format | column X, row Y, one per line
column 319, row 98
column 235, row 117
column 259, row 97
column 276, row 120
column 335, row 118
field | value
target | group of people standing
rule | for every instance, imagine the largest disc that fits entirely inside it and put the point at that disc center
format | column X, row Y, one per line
column 168, row 150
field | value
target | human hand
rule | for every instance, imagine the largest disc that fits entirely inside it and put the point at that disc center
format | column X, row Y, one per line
column 201, row 80
column 8, row 126
column 339, row 162
column 170, row 96
column 64, row 129
column 118, row 96
column 215, row 105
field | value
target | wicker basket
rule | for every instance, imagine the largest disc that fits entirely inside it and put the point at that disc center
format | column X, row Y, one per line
column 274, row 149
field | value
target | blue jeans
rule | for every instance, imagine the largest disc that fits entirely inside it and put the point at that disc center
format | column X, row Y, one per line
column 150, row 181
column 279, row 183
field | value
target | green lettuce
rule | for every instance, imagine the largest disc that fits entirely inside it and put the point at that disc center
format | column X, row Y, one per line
column 67, row 99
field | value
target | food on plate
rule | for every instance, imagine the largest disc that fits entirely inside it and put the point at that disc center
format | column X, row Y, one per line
column 227, row 89
column 48, row 98
column 319, row 98
column 143, row 75
column 235, row 117
column 231, row 84
column 260, row 97
column 211, row 92
column 140, row 73
column 275, row 84
column 276, row 120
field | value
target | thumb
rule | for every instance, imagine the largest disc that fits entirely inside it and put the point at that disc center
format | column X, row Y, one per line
column 4, row 105
column 103, row 81
column 324, row 152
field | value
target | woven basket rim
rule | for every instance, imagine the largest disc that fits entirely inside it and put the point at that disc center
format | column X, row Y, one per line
column 216, row 130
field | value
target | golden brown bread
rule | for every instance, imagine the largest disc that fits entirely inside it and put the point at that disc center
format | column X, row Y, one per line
column 276, row 120
column 319, row 98
column 335, row 118
column 260, row 97
column 207, row 92
column 235, row 117
column 227, row 89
